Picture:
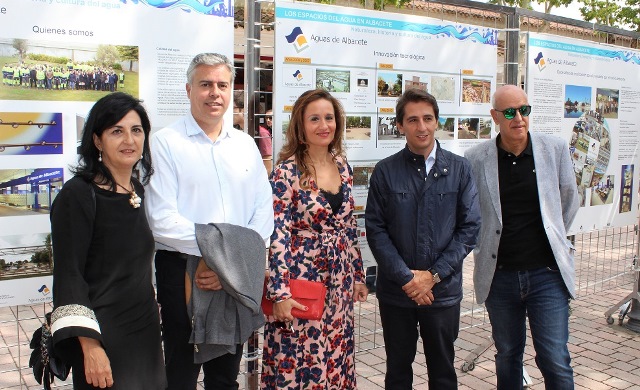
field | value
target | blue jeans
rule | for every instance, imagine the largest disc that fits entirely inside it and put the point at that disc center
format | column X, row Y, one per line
column 541, row 295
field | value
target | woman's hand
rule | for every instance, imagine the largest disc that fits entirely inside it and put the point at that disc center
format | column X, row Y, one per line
column 282, row 310
column 360, row 292
column 97, row 368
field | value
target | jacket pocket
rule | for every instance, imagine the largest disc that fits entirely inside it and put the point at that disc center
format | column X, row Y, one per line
column 397, row 201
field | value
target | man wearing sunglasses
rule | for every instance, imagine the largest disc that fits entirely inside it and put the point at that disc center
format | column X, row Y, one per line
column 523, row 261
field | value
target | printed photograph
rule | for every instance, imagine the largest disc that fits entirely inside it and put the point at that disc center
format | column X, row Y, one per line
column 387, row 129
column 415, row 82
column 469, row 128
column 361, row 176
column 607, row 102
column 590, row 147
column 25, row 192
column 446, row 129
column 476, row 90
column 333, row 80
column 577, row 100
column 602, row 191
column 24, row 256
column 484, row 126
column 626, row 189
column 39, row 70
column 358, row 128
column 443, row 88
column 30, row 133
column 389, row 84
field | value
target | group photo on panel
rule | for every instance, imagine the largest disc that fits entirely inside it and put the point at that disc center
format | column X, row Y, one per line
column 238, row 249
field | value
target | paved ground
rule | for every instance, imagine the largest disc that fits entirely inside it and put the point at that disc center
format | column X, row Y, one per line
column 604, row 356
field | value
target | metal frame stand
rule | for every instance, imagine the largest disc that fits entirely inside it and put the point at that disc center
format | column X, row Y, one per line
column 629, row 305
column 630, row 301
column 472, row 358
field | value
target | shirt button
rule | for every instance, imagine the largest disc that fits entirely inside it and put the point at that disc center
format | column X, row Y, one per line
column 493, row 256
column 514, row 163
column 445, row 170
column 435, row 174
column 497, row 231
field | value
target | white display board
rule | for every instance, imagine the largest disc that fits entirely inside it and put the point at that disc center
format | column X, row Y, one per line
column 40, row 125
column 589, row 94
column 366, row 59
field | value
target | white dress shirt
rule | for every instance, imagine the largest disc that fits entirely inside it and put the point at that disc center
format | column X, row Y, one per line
column 197, row 180
column 431, row 159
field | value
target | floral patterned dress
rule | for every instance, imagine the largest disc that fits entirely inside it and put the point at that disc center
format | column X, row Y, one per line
column 313, row 242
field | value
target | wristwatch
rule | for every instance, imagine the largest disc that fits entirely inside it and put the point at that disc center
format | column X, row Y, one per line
column 436, row 277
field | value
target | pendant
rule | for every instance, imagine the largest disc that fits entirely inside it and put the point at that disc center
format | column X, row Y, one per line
column 135, row 200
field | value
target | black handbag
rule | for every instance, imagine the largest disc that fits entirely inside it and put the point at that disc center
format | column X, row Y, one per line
column 46, row 365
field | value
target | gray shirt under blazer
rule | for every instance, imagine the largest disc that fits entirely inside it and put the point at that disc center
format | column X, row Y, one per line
column 559, row 205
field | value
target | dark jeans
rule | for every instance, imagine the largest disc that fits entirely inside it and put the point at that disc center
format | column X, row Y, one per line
column 438, row 328
column 541, row 295
column 182, row 374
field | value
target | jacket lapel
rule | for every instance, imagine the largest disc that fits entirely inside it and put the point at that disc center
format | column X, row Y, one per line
column 491, row 176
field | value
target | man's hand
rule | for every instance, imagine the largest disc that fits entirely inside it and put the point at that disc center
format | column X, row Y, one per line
column 360, row 292
column 97, row 368
column 419, row 288
column 205, row 278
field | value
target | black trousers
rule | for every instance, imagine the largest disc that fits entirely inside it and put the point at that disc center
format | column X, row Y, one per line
column 182, row 374
column 438, row 328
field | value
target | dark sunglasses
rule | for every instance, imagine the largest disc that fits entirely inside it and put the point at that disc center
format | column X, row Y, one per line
column 510, row 113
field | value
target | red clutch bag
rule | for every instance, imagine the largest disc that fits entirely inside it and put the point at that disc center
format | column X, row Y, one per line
column 308, row 293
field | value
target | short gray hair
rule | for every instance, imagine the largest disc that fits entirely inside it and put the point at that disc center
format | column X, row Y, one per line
column 212, row 59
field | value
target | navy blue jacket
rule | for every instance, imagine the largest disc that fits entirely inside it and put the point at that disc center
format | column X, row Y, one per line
column 418, row 222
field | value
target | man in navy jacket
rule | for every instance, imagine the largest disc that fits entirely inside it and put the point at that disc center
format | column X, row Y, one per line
column 422, row 220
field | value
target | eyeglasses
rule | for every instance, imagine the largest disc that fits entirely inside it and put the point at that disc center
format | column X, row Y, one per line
column 269, row 118
column 510, row 113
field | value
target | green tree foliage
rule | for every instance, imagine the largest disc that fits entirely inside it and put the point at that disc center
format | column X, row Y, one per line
column 513, row 3
column 600, row 11
column 40, row 257
column 548, row 4
column 47, row 58
column 106, row 55
column 381, row 4
column 630, row 14
column 612, row 13
column 128, row 53
column 21, row 46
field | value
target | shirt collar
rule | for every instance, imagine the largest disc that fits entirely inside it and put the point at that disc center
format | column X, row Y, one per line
column 432, row 155
column 412, row 156
column 528, row 150
column 193, row 128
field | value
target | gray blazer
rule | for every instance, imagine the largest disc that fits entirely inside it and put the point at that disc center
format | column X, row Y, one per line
column 559, row 204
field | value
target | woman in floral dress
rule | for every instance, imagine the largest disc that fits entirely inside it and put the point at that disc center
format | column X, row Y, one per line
column 314, row 239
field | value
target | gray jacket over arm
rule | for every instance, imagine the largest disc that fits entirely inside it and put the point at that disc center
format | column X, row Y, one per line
column 225, row 318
